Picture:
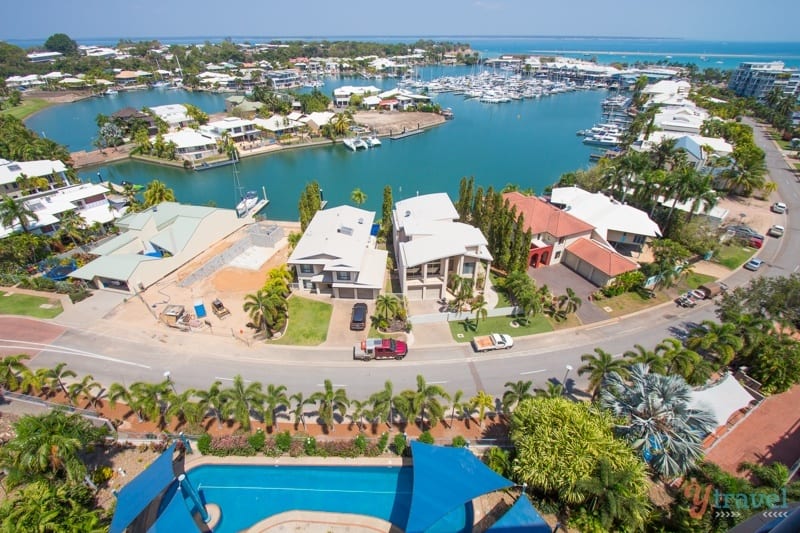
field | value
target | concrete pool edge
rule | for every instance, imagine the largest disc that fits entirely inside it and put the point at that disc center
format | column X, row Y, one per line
column 196, row 459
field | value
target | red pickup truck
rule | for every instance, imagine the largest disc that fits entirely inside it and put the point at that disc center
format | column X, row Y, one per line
column 369, row 349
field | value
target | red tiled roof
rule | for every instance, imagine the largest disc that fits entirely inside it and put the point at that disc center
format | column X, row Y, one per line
column 603, row 259
column 542, row 217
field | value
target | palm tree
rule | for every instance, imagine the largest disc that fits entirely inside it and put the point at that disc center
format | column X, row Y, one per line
column 156, row 193
column 427, row 401
column 720, row 340
column 658, row 419
column 149, row 400
column 181, row 406
column 329, row 402
column 265, row 309
column 56, row 376
column 358, row 197
column 681, row 360
column 650, row 358
column 553, row 390
column 455, row 403
column 11, row 370
column 241, row 400
column 215, row 399
column 387, row 306
column 71, row 225
column 478, row 307
column 482, row 402
column 405, row 405
column 299, row 409
column 569, row 302
column 47, row 446
column 34, row 381
column 275, row 398
column 118, row 393
column 599, row 367
column 340, row 123
column 611, row 496
column 83, row 388
column 381, row 403
column 516, row 391
column 13, row 211
column 358, row 411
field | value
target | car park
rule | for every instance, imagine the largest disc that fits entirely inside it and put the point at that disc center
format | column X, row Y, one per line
column 776, row 231
column 754, row 264
column 778, row 207
column 358, row 318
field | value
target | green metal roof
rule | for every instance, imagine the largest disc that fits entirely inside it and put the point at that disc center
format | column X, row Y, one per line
column 119, row 266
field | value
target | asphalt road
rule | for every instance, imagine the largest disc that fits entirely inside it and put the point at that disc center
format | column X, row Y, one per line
column 196, row 362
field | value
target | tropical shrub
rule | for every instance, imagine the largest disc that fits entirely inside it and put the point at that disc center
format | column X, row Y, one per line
column 204, row 444
column 426, row 437
column 283, row 441
column 399, row 444
column 310, row 446
column 458, row 442
column 231, row 445
column 257, row 440
column 360, row 443
column 383, row 441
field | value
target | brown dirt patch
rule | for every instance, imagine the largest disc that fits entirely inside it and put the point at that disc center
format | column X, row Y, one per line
column 386, row 122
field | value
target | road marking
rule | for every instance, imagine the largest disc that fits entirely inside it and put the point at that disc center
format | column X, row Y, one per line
column 795, row 268
column 435, row 382
column 332, row 385
column 231, row 379
column 533, row 372
column 63, row 350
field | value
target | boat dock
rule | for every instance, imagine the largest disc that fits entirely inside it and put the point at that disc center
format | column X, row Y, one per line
column 406, row 134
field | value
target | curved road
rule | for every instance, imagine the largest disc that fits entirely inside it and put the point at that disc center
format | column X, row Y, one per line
column 196, row 361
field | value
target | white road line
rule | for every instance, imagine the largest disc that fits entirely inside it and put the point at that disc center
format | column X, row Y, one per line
column 533, row 372
column 231, row 379
column 66, row 351
column 435, row 382
column 333, row 385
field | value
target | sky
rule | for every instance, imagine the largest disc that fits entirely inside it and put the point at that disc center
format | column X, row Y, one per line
column 708, row 20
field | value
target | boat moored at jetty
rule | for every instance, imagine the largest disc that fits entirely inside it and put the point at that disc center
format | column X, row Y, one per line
column 247, row 203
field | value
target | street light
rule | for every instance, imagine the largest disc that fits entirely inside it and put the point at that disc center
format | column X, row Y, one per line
column 169, row 380
column 569, row 368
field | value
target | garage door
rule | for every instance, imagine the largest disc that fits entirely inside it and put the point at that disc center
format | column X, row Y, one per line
column 415, row 293
column 432, row 293
column 585, row 270
column 570, row 260
column 365, row 294
column 347, row 292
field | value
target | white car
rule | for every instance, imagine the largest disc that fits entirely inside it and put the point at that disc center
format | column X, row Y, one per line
column 778, row 207
column 776, row 231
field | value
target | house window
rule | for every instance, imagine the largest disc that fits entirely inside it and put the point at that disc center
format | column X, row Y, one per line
column 469, row 269
column 414, row 272
column 308, row 284
column 561, row 240
column 343, row 276
column 306, row 269
column 640, row 239
column 558, row 254
column 435, row 268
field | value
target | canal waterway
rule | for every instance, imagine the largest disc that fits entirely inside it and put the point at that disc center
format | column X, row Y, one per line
column 527, row 142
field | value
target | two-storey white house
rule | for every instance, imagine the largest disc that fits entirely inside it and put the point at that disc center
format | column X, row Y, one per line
column 336, row 255
column 431, row 247
column 52, row 174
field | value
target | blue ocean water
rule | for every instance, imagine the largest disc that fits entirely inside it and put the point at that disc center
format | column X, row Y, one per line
column 714, row 54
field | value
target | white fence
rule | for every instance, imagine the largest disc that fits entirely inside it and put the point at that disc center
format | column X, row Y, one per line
column 434, row 318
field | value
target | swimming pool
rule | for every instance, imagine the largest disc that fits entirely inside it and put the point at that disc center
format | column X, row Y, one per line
column 248, row 494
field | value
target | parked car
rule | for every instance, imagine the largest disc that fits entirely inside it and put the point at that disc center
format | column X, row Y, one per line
column 370, row 349
column 684, row 301
column 713, row 288
column 776, row 231
column 778, row 207
column 358, row 318
column 494, row 341
column 753, row 264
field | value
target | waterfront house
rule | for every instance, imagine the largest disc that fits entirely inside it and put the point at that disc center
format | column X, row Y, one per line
column 316, row 120
column 700, row 151
column 87, row 199
column 44, row 57
column 192, row 145
column 156, row 242
column 127, row 117
column 175, row 115
column 431, row 247
column 337, row 256
column 623, row 227
column 279, row 125
column 342, row 95
column 130, row 77
column 19, row 178
column 559, row 237
column 284, row 79
column 754, row 79
column 237, row 129
column 233, row 101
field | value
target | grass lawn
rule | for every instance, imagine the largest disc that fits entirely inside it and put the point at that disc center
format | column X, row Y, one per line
column 27, row 107
column 502, row 297
column 500, row 324
column 308, row 322
column 694, row 280
column 733, row 256
column 24, row 304
column 630, row 302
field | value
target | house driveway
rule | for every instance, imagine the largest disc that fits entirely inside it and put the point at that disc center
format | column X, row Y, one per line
column 559, row 278
column 339, row 333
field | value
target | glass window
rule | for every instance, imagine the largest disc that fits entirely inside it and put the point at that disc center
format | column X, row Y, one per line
column 414, row 271
column 306, row 269
column 308, row 284
column 435, row 268
column 469, row 268
column 343, row 276
column 558, row 254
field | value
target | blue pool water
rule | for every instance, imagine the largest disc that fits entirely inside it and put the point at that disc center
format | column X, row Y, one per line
column 248, row 494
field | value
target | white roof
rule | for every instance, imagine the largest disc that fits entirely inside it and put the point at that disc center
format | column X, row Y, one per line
column 189, row 138
column 669, row 87
column 719, row 146
column 349, row 90
column 320, row 118
column 414, row 214
column 429, row 225
column 227, row 124
column 11, row 170
column 604, row 213
column 171, row 113
column 336, row 238
column 372, row 100
column 721, row 399
column 277, row 123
